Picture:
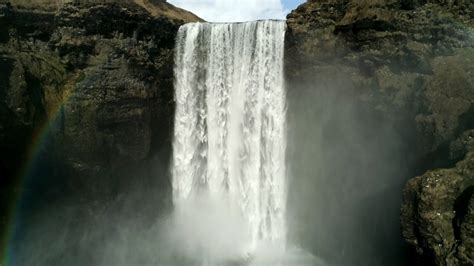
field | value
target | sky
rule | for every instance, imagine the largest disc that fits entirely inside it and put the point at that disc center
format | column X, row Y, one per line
column 238, row 10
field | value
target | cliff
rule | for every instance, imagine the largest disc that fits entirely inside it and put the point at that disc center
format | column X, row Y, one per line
column 404, row 69
column 86, row 100
column 383, row 90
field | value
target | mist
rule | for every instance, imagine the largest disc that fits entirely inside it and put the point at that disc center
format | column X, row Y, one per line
column 218, row 198
column 345, row 168
column 199, row 231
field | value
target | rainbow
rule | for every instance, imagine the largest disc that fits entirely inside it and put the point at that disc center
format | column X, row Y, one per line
column 23, row 177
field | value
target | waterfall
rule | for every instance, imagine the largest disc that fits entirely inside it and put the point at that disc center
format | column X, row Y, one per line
column 230, row 125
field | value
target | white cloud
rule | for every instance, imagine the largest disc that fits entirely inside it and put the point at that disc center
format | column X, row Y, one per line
column 233, row 10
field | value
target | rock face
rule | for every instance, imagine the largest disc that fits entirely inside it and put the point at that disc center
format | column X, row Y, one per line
column 437, row 210
column 86, row 97
column 406, row 57
column 381, row 91
column 405, row 67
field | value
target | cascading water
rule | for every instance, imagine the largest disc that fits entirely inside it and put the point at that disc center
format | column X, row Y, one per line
column 230, row 124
